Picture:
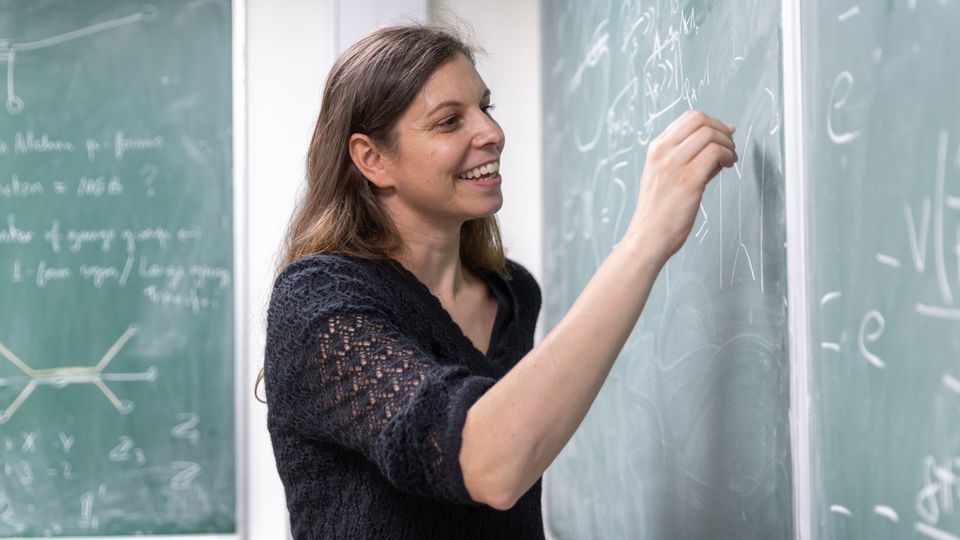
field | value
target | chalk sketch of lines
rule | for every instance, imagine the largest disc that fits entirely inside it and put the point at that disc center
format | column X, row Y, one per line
column 8, row 50
column 63, row 376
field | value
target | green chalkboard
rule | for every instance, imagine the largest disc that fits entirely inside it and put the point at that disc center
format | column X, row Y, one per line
column 882, row 130
column 116, row 268
column 689, row 436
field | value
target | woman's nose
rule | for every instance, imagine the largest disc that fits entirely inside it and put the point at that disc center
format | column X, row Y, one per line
column 489, row 132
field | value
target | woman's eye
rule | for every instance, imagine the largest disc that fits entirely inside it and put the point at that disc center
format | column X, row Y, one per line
column 449, row 122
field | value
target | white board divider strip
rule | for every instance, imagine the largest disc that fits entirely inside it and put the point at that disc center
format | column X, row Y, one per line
column 796, row 268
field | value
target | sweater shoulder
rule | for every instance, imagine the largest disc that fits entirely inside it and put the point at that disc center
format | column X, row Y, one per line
column 333, row 275
column 524, row 284
column 320, row 285
column 329, row 266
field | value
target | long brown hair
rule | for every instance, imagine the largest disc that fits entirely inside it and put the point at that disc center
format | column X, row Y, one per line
column 367, row 90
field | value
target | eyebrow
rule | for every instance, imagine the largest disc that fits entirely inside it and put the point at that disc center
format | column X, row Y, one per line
column 455, row 103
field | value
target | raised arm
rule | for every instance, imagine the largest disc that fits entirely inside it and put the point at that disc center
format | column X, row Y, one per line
column 517, row 428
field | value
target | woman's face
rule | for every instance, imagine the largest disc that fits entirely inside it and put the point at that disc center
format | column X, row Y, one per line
column 445, row 137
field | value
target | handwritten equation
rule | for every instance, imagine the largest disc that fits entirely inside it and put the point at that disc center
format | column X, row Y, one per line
column 33, row 459
column 911, row 270
column 117, row 406
column 97, row 186
column 616, row 75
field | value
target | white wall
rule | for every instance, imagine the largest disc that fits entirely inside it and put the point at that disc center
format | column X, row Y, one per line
column 356, row 18
column 290, row 47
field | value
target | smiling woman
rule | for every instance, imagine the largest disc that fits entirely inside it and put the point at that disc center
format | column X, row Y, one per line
column 405, row 396
column 444, row 147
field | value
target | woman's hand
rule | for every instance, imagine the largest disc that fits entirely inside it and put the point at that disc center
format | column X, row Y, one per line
column 680, row 162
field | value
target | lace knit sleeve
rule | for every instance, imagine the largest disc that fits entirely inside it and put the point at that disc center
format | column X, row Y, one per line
column 355, row 380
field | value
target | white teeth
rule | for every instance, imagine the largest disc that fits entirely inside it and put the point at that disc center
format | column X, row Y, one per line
column 483, row 170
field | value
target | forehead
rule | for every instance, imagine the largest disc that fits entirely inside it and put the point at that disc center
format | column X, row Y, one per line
column 454, row 80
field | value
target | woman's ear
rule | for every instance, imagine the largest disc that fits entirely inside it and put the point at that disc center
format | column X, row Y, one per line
column 370, row 159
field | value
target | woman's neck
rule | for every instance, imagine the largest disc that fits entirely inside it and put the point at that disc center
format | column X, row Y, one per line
column 434, row 258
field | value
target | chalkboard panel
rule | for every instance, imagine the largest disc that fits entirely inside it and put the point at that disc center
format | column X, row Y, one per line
column 689, row 436
column 116, row 268
column 882, row 158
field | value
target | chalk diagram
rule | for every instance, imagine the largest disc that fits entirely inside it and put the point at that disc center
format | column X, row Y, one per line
column 9, row 50
column 61, row 377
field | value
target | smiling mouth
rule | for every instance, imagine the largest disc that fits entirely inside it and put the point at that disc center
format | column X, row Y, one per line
column 483, row 171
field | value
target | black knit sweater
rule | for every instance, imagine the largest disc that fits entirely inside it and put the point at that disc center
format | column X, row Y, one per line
column 368, row 383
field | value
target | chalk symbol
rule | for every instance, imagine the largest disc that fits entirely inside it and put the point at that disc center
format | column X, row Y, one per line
column 933, row 532
column 892, row 262
column 887, row 512
column 880, row 510
column 938, row 312
column 8, row 50
column 852, row 12
column 827, row 298
column 839, row 509
column 61, row 377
